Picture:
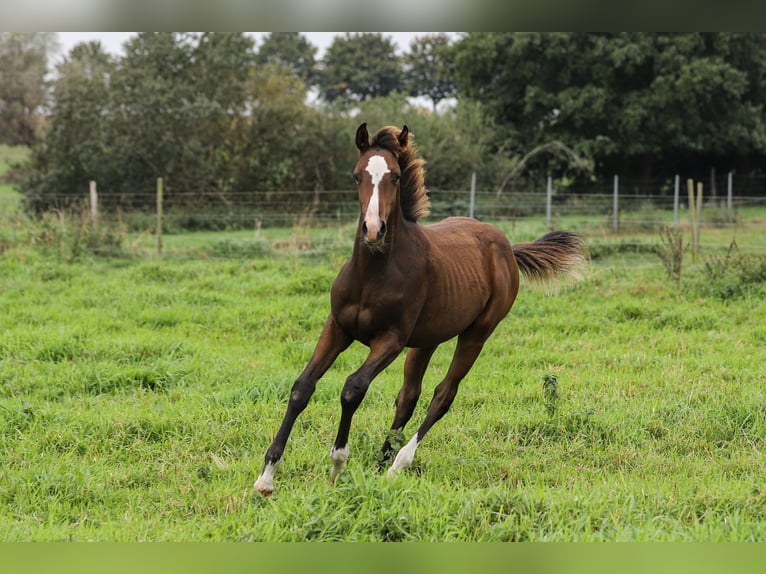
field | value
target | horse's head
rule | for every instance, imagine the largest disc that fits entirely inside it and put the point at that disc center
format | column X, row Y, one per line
column 377, row 175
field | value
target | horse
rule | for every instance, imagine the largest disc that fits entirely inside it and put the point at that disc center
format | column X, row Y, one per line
column 415, row 286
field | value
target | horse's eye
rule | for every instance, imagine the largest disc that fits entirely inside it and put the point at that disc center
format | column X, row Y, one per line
column 357, row 179
column 396, row 177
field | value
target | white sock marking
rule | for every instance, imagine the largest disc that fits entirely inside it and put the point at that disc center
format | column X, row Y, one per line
column 265, row 482
column 404, row 457
column 339, row 457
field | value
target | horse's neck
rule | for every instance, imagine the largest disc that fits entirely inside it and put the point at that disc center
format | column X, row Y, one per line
column 398, row 239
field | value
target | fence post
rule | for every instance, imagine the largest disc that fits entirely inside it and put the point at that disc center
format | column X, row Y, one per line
column 729, row 191
column 616, row 205
column 676, row 190
column 473, row 194
column 692, row 218
column 159, row 215
column 548, row 202
column 93, row 204
column 699, row 212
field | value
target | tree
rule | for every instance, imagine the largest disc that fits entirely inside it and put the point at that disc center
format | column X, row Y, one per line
column 73, row 149
column 174, row 106
column 357, row 67
column 276, row 146
column 156, row 109
column 290, row 50
column 23, row 66
column 176, row 100
column 223, row 64
column 429, row 68
column 639, row 102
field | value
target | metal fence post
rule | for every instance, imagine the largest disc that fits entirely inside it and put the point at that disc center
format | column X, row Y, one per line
column 616, row 206
column 548, row 202
column 473, row 194
column 729, row 192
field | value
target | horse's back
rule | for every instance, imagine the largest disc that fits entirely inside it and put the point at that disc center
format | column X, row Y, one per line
column 466, row 235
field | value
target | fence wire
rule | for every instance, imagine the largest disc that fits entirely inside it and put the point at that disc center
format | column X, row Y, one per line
column 591, row 213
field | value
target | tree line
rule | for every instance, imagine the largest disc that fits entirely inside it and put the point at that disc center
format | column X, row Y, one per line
column 220, row 117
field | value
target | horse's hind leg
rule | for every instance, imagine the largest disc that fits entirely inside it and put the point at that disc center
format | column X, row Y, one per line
column 414, row 369
column 469, row 345
column 504, row 282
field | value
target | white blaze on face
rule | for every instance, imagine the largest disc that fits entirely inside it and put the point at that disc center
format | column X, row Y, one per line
column 377, row 168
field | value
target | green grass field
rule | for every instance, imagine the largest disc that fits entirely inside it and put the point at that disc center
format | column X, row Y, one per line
column 138, row 395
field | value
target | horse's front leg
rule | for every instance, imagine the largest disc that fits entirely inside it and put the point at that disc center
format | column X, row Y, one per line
column 332, row 342
column 383, row 351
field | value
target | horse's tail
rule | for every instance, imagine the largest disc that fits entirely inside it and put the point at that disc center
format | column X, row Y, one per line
column 554, row 255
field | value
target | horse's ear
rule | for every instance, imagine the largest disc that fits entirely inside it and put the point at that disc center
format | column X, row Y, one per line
column 403, row 135
column 362, row 138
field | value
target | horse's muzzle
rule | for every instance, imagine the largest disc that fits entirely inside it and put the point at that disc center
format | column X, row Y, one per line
column 374, row 234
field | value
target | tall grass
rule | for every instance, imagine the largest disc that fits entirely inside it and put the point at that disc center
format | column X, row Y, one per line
column 138, row 395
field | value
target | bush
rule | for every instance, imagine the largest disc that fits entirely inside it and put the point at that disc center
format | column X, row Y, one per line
column 71, row 235
column 735, row 274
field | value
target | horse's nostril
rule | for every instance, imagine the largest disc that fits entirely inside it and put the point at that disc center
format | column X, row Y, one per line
column 382, row 227
column 364, row 227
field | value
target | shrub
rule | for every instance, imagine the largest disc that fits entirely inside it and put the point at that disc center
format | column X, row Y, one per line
column 71, row 235
column 735, row 274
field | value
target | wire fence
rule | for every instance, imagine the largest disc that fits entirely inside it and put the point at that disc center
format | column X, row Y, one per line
column 286, row 208
column 610, row 208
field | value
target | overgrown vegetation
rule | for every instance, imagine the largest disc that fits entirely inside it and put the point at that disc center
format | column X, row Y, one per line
column 70, row 235
column 733, row 274
column 671, row 252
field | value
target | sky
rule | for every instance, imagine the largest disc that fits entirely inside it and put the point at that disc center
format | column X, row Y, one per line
column 113, row 41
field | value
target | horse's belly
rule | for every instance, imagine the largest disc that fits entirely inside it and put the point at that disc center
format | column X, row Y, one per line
column 444, row 318
column 463, row 277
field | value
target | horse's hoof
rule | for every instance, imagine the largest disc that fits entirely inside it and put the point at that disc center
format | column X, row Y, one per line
column 265, row 481
column 266, row 491
column 264, row 486
column 334, row 472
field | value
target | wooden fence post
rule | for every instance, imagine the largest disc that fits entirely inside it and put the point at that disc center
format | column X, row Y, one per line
column 93, row 204
column 692, row 218
column 159, row 215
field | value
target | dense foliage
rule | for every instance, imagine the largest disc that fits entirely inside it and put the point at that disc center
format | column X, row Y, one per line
column 637, row 101
column 219, row 117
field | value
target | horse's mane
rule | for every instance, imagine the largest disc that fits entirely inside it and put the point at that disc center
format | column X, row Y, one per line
column 414, row 195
